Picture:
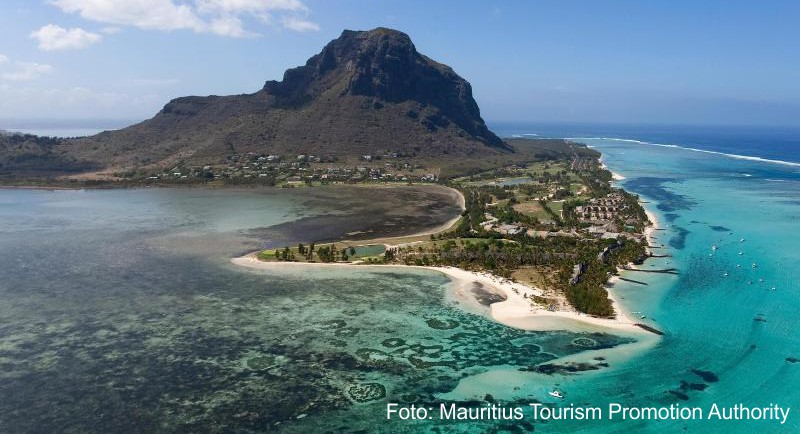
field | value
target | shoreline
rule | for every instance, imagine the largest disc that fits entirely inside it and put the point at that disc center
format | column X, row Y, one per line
column 614, row 175
column 516, row 311
column 650, row 229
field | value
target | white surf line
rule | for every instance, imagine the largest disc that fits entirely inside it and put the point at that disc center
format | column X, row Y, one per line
column 705, row 151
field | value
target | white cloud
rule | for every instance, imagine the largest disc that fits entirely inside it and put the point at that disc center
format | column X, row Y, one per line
column 110, row 30
column 146, row 14
column 228, row 26
column 52, row 38
column 251, row 6
column 299, row 25
column 3, row 59
column 221, row 17
column 25, row 71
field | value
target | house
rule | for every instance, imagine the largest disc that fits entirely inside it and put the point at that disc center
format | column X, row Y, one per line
column 509, row 229
column 577, row 270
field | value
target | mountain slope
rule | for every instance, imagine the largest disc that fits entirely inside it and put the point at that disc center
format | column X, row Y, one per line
column 367, row 92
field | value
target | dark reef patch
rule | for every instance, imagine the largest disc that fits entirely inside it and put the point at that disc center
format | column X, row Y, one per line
column 680, row 395
column 685, row 385
column 707, row 376
column 654, row 188
column 485, row 296
column 678, row 240
column 584, row 342
column 566, row 368
column 446, row 324
column 366, row 392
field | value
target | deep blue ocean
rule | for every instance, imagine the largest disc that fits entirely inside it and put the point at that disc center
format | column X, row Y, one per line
column 778, row 143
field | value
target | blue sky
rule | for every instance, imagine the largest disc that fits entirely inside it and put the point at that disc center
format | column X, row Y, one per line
column 713, row 62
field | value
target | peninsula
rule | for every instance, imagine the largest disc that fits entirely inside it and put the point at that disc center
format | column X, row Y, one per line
column 543, row 239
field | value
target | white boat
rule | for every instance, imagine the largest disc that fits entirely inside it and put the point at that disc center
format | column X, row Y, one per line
column 755, row 265
column 725, row 275
column 742, row 240
column 741, row 253
column 714, row 247
column 556, row 394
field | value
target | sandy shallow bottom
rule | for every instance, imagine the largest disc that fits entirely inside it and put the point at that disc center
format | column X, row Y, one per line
column 516, row 311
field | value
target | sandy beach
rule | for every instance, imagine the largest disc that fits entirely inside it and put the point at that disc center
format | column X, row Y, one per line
column 516, row 311
column 614, row 175
column 650, row 230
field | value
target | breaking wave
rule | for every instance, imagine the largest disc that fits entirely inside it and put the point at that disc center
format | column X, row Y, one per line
column 705, row 151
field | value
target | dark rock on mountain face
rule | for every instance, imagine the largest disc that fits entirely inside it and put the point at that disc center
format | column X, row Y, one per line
column 384, row 64
column 366, row 92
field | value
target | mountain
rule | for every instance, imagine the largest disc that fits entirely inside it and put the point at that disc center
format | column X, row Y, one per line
column 367, row 92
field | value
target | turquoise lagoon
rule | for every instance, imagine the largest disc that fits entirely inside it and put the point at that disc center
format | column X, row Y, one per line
column 730, row 315
column 122, row 313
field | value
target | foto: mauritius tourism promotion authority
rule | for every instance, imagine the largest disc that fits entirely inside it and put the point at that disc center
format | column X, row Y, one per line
column 537, row 411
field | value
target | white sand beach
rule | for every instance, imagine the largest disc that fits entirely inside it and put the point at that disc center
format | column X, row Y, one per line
column 649, row 231
column 516, row 311
column 614, row 175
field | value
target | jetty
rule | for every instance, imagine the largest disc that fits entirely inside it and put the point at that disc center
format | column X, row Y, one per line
column 650, row 329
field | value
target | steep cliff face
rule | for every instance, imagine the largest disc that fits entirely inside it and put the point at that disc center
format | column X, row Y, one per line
column 366, row 92
column 384, row 64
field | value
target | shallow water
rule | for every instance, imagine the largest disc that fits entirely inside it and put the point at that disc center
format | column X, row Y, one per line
column 122, row 313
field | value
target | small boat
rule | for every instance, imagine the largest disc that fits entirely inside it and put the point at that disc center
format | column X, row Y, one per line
column 741, row 253
column 749, row 282
column 755, row 265
column 772, row 289
column 556, row 394
column 725, row 275
column 714, row 247
column 741, row 240
column 643, row 317
column 738, row 265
